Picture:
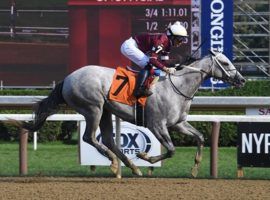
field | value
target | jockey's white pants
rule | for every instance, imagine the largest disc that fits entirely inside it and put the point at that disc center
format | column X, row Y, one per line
column 130, row 49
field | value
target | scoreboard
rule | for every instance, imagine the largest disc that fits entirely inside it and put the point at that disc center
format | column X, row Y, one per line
column 156, row 19
column 129, row 17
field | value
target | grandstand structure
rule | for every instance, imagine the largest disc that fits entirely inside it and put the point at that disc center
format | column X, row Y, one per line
column 252, row 36
column 251, row 47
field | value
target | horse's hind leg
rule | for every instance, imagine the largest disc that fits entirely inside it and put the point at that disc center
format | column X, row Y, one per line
column 92, row 122
column 185, row 128
column 106, row 128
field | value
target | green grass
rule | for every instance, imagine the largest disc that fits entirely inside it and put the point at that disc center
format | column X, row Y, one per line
column 57, row 159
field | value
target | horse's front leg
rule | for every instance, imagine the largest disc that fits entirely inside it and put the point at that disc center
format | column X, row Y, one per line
column 162, row 134
column 185, row 128
column 102, row 149
column 106, row 128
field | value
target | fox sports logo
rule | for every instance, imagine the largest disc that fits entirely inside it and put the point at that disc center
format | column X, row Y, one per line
column 133, row 141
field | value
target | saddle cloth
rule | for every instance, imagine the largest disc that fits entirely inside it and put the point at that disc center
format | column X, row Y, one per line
column 122, row 87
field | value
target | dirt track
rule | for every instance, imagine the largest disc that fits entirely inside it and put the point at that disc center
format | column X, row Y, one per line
column 131, row 188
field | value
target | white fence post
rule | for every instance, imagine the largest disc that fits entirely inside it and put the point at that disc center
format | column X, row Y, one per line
column 35, row 141
column 118, row 143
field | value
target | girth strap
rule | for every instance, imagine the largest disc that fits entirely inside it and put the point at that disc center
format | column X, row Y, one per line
column 139, row 114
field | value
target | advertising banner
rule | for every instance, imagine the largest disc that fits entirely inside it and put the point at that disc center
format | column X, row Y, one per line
column 217, row 30
column 134, row 139
column 217, row 26
column 258, row 111
column 253, row 144
column 214, row 83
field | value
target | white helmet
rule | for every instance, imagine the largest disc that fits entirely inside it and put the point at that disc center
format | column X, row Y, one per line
column 177, row 30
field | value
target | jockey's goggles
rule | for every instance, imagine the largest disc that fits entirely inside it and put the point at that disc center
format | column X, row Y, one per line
column 179, row 39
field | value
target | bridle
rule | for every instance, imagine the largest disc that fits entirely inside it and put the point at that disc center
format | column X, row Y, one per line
column 226, row 76
column 214, row 59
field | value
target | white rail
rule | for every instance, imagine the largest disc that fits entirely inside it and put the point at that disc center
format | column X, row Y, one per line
column 200, row 118
column 30, row 117
column 229, row 118
column 200, row 102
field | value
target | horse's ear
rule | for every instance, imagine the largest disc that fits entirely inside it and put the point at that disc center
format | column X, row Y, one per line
column 212, row 52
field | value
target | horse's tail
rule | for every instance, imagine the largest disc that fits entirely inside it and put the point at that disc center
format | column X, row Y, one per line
column 45, row 108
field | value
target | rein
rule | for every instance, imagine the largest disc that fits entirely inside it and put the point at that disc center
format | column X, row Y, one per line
column 210, row 72
column 177, row 91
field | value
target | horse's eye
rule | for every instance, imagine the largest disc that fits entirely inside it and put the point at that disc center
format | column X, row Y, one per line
column 224, row 63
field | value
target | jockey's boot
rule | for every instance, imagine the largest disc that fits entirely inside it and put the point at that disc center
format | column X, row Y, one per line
column 140, row 89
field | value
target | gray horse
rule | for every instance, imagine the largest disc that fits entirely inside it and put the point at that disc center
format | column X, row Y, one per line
column 86, row 90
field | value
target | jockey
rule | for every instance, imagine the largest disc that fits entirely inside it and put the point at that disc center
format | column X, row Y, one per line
column 146, row 50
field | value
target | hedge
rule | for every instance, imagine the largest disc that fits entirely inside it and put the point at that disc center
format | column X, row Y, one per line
column 52, row 131
column 228, row 131
column 251, row 88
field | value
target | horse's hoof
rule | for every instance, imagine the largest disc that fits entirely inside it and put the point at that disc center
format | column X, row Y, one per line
column 194, row 171
column 114, row 167
column 137, row 172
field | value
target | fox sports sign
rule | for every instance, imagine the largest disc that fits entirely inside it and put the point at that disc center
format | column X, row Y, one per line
column 134, row 139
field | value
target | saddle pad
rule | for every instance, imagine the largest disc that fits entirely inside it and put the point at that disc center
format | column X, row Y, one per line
column 122, row 87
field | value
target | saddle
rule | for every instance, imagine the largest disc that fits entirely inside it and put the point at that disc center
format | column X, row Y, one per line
column 123, row 85
column 122, row 90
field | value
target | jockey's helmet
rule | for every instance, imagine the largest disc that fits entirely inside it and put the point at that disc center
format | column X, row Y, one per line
column 177, row 33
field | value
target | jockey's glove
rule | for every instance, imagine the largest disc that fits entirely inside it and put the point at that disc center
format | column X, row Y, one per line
column 169, row 70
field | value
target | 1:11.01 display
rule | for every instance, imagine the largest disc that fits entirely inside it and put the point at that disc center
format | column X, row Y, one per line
column 166, row 12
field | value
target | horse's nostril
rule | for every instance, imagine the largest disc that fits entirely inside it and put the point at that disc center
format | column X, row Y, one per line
column 243, row 80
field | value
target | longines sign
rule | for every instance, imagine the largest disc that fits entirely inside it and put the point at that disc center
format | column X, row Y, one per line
column 217, row 32
column 133, row 140
column 217, row 26
column 253, row 144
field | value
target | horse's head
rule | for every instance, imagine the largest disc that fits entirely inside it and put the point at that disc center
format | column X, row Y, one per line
column 223, row 69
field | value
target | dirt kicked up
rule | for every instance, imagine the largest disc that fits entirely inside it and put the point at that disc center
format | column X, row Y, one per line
column 131, row 188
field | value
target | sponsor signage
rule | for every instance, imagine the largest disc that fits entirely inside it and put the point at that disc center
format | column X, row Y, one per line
column 214, row 83
column 258, row 111
column 217, row 32
column 217, row 26
column 253, row 144
column 134, row 139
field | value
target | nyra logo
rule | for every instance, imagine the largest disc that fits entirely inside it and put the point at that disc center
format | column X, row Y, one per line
column 255, row 143
column 133, row 141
